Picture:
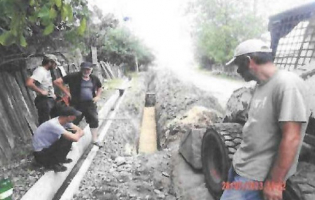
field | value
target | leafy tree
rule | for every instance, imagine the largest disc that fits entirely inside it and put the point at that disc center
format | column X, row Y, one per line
column 22, row 20
column 120, row 46
column 221, row 25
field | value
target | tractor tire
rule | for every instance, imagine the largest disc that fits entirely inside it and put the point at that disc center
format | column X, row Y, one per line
column 301, row 186
column 219, row 144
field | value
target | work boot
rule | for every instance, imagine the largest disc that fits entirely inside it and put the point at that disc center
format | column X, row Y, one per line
column 98, row 144
column 67, row 160
column 58, row 168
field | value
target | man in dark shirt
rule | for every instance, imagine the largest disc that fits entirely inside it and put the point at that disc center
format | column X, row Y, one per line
column 85, row 91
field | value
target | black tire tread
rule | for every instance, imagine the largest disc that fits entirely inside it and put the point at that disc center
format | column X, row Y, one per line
column 303, row 181
column 231, row 135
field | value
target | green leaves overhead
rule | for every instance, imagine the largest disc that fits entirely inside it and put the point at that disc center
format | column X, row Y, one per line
column 58, row 3
column 82, row 27
column 19, row 18
column 49, row 29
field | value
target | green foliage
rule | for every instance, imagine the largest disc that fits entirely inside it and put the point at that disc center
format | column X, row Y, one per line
column 221, row 25
column 24, row 19
column 120, row 46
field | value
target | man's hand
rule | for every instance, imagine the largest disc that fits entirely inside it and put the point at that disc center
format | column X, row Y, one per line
column 44, row 93
column 96, row 99
column 272, row 191
column 68, row 94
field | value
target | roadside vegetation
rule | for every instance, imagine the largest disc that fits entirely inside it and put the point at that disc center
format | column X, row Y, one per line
column 30, row 28
column 220, row 26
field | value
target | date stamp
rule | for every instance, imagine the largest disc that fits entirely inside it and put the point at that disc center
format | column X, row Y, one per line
column 252, row 185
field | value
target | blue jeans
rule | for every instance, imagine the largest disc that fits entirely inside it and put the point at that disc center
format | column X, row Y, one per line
column 240, row 194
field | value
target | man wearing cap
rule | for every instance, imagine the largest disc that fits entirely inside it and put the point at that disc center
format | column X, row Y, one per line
column 85, row 91
column 52, row 140
column 41, row 83
column 274, row 131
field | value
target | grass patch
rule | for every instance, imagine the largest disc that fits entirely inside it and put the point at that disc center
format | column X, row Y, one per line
column 112, row 84
column 219, row 74
column 133, row 74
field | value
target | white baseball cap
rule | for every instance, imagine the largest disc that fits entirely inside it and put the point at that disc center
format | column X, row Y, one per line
column 52, row 57
column 250, row 46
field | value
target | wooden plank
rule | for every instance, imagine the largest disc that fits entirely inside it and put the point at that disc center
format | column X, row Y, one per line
column 13, row 107
column 103, row 71
column 30, row 105
column 106, row 72
column 23, row 112
column 108, row 68
column 6, row 136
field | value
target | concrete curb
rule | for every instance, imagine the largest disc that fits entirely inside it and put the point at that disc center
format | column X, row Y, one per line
column 48, row 185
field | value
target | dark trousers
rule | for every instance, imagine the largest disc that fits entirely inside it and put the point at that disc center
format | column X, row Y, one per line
column 54, row 154
column 44, row 106
column 89, row 111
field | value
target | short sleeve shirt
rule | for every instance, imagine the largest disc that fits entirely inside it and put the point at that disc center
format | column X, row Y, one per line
column 86, row 90
column 44, row 79
column 281, row 99
column 74, row 81
column 48, row 133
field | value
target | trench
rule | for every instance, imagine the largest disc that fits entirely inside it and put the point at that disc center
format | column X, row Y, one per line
column 148, row 136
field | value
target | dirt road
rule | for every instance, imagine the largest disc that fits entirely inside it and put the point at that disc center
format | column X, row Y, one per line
column 221, row 88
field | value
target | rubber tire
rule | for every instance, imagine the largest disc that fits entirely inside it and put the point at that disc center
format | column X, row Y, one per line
column 301, row 186
column 221, row 141
column 219, row 144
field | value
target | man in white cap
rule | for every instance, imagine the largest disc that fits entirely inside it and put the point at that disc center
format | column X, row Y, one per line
column 41, row 83
column 273, row 134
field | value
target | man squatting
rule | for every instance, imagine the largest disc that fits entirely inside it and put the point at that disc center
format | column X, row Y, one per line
column 52, row 140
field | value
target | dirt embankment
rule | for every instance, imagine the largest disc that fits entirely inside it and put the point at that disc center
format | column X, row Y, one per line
column 181, row 106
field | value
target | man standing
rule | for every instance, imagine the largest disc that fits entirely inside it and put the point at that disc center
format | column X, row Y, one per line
column 85, row 91
column 41, row 83
column 273, row 134
column 52, row 142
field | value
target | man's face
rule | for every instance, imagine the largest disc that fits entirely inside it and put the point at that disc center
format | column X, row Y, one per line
column 71, row 118
column 86, row 72
column 52, row 65
column 244, row 70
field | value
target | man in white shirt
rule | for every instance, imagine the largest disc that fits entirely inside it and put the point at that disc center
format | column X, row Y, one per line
column 41, row 83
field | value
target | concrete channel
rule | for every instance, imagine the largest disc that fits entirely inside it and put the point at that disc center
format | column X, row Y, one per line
column 148, row 137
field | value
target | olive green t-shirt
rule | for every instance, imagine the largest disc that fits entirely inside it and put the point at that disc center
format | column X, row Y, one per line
column 282, row 98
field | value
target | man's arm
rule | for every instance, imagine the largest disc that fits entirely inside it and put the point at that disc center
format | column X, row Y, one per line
column 98, row 94
column 59, row 83
column 291, row 136
column 76, row 128
column 74, row 137
column 30, row 83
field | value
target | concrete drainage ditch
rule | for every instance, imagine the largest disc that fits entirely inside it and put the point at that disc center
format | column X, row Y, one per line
column 148, row 137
